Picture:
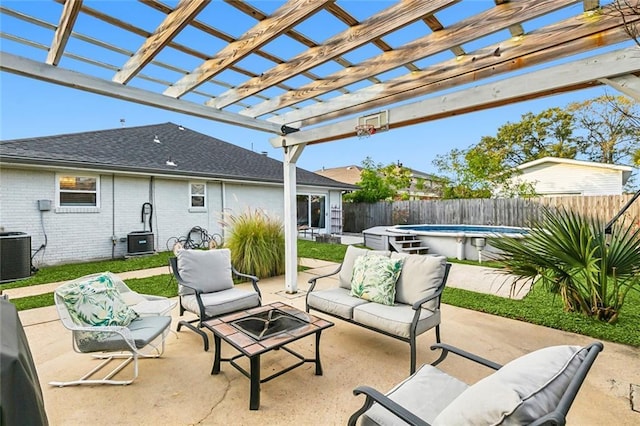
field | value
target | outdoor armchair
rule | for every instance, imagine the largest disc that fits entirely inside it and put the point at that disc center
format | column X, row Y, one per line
column 536, row 389
column 206, row 288
column 103, row 324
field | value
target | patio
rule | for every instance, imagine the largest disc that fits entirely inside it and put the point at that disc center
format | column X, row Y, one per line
column 178, row 389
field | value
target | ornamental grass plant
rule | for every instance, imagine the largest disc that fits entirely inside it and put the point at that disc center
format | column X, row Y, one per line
column 256, row 242
column 572, row 256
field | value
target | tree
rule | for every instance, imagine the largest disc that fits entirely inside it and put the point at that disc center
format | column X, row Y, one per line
column 379, row 182
column 605, row 129
column 611, row 126
column 478, row 170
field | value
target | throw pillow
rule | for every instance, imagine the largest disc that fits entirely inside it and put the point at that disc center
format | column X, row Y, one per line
column 374, row 278
column 95, row 301
column 520, row 392
column 352, row 253
column 421, row 276
column 208, row 270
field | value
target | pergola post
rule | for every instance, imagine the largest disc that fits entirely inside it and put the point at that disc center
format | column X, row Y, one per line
column 291, row 155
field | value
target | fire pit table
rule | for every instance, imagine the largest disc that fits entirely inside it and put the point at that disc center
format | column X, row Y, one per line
column 259, row 330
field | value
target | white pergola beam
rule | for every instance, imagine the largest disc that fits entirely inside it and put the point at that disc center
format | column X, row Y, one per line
column 628, row 84
column 571, row 76
column 41, row 71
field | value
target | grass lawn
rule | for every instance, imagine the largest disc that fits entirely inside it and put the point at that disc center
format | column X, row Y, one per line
column 538, row 307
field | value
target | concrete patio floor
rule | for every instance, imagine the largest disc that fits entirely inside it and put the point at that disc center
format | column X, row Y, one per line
column 178, row 389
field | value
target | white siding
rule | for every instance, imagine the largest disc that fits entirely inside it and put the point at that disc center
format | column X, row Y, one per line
column 565, row 179
column 86, row 234
column 242, row 197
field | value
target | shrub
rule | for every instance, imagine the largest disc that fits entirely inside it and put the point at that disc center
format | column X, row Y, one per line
column 256, row 242
column 573, row 257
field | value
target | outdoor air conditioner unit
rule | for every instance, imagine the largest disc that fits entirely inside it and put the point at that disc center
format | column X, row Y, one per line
column 140, row 242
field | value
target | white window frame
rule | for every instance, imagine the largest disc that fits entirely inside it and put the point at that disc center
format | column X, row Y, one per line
column 192, row 194
column 59, row 205
column 309, row 214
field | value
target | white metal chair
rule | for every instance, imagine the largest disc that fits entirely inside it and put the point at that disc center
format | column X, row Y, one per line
column 103, row 324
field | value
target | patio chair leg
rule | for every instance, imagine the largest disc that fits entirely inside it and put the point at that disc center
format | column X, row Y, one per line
column 192, row 327
column 438, row 333
column 412, row 343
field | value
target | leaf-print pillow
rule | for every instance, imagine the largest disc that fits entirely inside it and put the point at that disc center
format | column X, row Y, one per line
column 374, row 278
column 95, row 301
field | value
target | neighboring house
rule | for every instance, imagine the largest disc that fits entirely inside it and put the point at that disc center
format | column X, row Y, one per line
column 423, row 185
column 551, row 176
column 96, row 188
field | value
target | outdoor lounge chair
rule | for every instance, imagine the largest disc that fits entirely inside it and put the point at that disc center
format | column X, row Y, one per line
column 537, row 388
column 101, row 322
column 206, row 289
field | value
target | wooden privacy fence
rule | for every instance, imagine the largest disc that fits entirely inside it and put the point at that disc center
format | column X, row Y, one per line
column 497, row 212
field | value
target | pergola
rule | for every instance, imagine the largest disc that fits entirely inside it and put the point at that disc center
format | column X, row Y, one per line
column 386, row 64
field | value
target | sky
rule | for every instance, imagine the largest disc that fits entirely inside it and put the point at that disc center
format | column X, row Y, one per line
column 31, row 108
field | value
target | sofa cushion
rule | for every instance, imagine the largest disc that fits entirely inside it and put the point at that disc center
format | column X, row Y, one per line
column 334, row 301
column 352, row 253
column 94, row 300
column 374, row 278
column 520, row 392
column 395, row 319
column 425, row 393
column 208, row 270
column 420, row 277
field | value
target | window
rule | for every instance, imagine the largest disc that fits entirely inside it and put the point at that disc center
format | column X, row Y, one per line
column 78, row 190
column 311, row 210
column 198, row 195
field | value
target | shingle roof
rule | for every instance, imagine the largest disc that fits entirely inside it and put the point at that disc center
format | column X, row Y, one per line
column 134, row 149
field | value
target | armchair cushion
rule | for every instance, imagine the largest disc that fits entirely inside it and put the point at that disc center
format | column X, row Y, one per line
column 95, row 301
column 425, row 393
column 346, row 270
column 208, row 270
column 143, row 331
column 520, row 392
column 374, row 278
column 222, row 302
column 420, row 277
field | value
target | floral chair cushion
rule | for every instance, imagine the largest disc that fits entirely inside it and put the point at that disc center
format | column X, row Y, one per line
column 95, row 301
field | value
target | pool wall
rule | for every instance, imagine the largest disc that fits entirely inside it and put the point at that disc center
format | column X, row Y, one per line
column 455, row 241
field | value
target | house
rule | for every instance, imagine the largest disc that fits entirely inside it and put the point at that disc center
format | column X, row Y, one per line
column 424, row 186
column 86, row 196
column 552, row 176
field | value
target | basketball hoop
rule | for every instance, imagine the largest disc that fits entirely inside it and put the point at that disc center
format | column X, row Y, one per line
column 365, row 130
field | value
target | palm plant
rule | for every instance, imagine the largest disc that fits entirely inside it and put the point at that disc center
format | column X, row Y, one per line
column 573, row 257
column 256, row 242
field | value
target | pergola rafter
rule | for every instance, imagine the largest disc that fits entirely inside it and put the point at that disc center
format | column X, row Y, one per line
column 464, row 31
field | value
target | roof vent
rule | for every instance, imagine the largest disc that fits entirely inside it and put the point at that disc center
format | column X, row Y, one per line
column 180, row 127
column 265, row 153
column 171, row 163
column 156, row 139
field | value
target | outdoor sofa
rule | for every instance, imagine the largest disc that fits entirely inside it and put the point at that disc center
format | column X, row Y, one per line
column 411, row 288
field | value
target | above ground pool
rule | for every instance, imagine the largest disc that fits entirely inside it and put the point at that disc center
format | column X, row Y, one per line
column 455, row 241
column 468, row 230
